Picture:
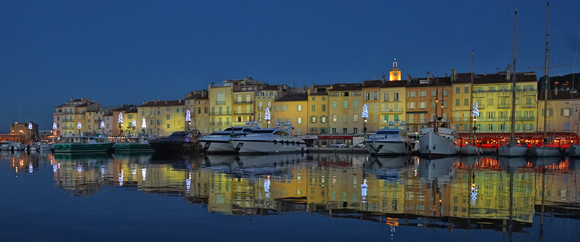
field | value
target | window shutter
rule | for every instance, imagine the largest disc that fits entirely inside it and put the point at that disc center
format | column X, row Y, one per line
column 561, row 112
column 571, row 111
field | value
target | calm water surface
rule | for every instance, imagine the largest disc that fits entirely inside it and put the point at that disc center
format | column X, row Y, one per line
column 314, row 197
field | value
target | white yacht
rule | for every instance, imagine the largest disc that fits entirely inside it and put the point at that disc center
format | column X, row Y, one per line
column 438, row 139
column 390, row 141
column 272, row 140
column 219, row 142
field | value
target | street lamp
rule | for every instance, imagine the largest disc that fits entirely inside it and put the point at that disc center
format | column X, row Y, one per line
column 21, row 132
column 474, row 129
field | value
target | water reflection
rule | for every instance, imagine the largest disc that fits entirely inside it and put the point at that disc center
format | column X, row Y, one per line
column 501, row 194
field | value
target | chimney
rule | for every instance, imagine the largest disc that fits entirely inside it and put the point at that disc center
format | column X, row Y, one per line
column 383, row 78
column 508, row 73
column 165, row 101
column 179, row 100
column 485, row 74
column 428, row 74
column 556, row 91
column 144, row 102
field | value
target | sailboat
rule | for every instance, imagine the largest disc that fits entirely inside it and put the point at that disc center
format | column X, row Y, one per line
column 546, row 151
column 512, row 149
column 469, row 149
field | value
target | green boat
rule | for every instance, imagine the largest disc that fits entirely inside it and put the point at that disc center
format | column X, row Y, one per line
column 132, row 144
column 83, row 144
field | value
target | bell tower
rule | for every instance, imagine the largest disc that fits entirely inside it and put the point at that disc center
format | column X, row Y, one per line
column 395, row 73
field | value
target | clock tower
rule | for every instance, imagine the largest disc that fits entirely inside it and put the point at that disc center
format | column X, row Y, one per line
column 395, row 73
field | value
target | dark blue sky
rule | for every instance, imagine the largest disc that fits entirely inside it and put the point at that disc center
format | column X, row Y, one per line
column 125, row 52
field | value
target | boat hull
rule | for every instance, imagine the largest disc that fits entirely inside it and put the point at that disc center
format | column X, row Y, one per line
column 218, row 147
column 470, row 150
column 512, row 151
column 173, row 146
column 132, row 147
column 388, row 148
column 545, row 151
column 267, row 146
column 434, row 145
column 82, row 148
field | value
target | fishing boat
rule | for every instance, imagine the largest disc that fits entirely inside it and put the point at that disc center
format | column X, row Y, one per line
column 270, row 141
column 180, row 141
column 83, row 144
column 133, row 144
column 512, row 148
column 389, row 141
column 219, row 142
column 545, row 150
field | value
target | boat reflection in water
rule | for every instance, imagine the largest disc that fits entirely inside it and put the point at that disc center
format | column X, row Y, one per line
column 470, row 193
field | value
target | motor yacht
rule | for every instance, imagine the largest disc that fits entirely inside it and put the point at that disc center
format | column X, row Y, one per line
column 270, row 141
column 438, row 139
column 219, row 142
column 389, row 141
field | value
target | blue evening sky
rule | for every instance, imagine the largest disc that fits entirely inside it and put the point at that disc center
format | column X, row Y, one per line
column 125, row 52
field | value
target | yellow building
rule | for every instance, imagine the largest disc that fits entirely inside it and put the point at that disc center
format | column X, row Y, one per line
column 426, row 99
column 346, row 104
column 67, row 116
column 292, row 108
column 493, row 94
column 163, row 117
column 562, row 113
column 197, row 103
column 371, row 96
column 222, row 100
column 243, row 103
column 317, row 118
column 461, row 103
column 392, row 102
column 122, row 127
column 265, row 98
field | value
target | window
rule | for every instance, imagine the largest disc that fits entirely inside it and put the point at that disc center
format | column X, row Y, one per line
column 323, row 98
column 177, row 110
column 411, row 93
column 298, row 108
column 345, row 104
column 333, row 104
column 432, row 104
column 422, row 93
column 396, row 96
column 386, row 97
column 168, row 117
column 355, row 104
column 344, row 118
column 168, row 126
column 367, row 96
column 376, row 95
column 423, row 105
column 313, row 119
column 220, row 110
column 457, row 90
column 334, row 117
column 355, row 118
column 313, row 108
column 445, row 93
column 313, row 98
column 490, row 102
column 323, row 107
column 566, row 112
column 142, row 113
column 433, row 93
column 323, row 119
column 466, row 102
column 457, row 101
column 299, row 120
column 466, row 90
column 492, row 89
column 248, row 98
column 411, row 105
column 489, row 126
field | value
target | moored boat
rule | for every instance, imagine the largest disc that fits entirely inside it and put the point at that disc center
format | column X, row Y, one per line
column 389, row 141
column 269, row 141
column 219, row 142
column 133, row 144
column 83, row 144
column 180, row 141
column 438, row 140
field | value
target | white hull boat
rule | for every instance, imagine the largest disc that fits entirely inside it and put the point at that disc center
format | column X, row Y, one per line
column 269, row 141
column 219, row 142
column 389, row 141
column 435, row 145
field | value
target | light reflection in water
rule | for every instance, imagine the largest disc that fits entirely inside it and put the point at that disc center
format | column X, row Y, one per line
column 457, row 193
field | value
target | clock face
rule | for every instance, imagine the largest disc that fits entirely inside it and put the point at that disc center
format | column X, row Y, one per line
column 395, row 74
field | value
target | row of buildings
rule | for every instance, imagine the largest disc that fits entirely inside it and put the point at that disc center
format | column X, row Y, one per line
column 336, row 109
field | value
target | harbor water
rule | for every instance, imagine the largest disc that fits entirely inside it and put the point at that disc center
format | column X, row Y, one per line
column 292, row 197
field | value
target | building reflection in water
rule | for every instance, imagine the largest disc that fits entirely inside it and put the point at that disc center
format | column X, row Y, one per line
column 450, row 193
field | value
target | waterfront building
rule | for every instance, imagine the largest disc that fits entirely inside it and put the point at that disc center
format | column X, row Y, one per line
column 371, row 97
column 128, row 112
column 461, row 104
column 292, row 108
column 318, row 112
column 222, row 101
column 346, row 103
column 427, row 98
column 493, row 93
column 392, row 100
column 163, row 116
column 20, row 132
column 563, row 114
column 68, row 115
column 198, row 105
column 109, row 121
column 267, row 95
column 243, row 103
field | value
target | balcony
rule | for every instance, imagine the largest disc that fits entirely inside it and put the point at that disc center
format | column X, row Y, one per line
column 243, row 113
column 220, row 114
column 241, row 102
column 527, row 92
column 220, row 102
column 392, row 110
column 529, row 105
column 503, row 107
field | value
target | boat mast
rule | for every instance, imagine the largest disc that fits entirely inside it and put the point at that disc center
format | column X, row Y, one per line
column 547, row 77
column 471, row 103
column 513, row 124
